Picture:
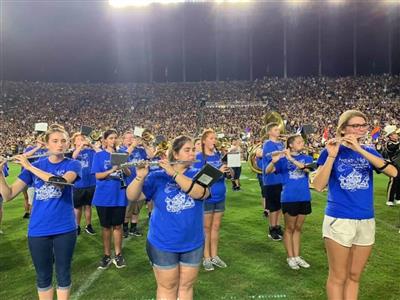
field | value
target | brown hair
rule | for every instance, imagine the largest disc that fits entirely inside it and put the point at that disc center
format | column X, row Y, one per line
column 269, row 126
column 345, row 118
column 291, row 139
column 177, row 145
column 205, row 134
column 109, row 132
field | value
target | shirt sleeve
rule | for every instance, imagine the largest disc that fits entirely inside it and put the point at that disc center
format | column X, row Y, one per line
column 322, row 157
column 149, row 186
column 26, row 177
column 76, row 167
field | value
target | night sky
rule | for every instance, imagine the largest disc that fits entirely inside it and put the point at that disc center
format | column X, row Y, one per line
column 89, row 41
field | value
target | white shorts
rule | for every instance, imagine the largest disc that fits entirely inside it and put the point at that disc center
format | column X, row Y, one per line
column 348, row 232
column 31, row 192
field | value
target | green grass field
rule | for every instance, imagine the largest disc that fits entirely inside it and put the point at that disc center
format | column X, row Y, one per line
column 257, row 266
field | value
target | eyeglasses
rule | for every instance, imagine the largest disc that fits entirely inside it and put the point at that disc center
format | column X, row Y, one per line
column 358, row 126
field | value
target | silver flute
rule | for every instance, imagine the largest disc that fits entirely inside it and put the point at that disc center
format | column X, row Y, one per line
column 154, row 163
column 12, row 158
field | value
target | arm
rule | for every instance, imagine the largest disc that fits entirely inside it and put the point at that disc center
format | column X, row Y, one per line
column 271, row 166
column 105, row 174
column 134, row 189
column 76, row 152
column 376, row 161
column 323, row 173
column 10, row 192
column 32, row 151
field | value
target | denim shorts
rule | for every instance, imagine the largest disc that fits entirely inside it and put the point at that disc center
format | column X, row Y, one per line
column 169, row 260
column 214, row 207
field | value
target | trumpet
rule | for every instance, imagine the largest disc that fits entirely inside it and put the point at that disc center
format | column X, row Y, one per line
column 139, row 163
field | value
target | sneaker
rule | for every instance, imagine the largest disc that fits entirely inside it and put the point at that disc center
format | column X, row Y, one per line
column 216, row 261
column 273, row 234
column 390, row 203
column 397, row 202
column 78, row 230
column 105, row 262
column 301, row 262
column 135, row 232
column 119, row 261
column 89, row 229
column 26, row 215
column 292, row 262
column 207, row 264
column 265, row 214
column 279, row 230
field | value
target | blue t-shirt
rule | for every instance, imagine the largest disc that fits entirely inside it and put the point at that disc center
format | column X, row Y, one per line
column 269, row 147
column 295, row 186
column 176, row 223
column 350, row 186
column 108, row 191
column 218, row 189
column 85, row 157
column 52, row 208
column 139, row 153
column 38, row 152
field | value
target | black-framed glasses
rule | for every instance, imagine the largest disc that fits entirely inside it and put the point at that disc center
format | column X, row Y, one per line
column 358, row 126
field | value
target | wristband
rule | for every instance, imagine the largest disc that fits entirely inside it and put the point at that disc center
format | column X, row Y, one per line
column 138, row 178
column 384, row 166
column 175, row 175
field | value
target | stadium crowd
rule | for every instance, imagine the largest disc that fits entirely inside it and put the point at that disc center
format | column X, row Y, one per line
column 166, row 108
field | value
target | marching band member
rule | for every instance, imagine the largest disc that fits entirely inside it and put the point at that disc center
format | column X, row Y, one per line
column 52, row 226
column 84, row 187
column 296, row 196
column 197, row 145
column 237, row 170
column 110, row 200
column 349, row 224
column 175, row 239
column 136, row 151
column 214, row 206
column 391, row 150
column 272, row 182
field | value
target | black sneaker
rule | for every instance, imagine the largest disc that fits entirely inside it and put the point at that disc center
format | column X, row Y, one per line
column 119, row 261
column 78, row 230
column 135, row 232
column 273, row 234
column 89, row 229
column 279, row 230
column 26, row 215
column 105, row 262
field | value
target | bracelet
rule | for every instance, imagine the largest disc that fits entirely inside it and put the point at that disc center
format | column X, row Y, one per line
column 175, row 175
column 138, row 178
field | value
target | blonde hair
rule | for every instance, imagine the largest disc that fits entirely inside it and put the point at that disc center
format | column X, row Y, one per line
column 74, row 136
column 345, row 118
column 53, row 129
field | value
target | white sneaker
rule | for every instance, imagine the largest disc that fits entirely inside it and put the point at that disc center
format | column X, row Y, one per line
column 397, row 202
column 207, row 264
column 292, row 263
column 301, row 262
column 389, row 203
column 216, row 261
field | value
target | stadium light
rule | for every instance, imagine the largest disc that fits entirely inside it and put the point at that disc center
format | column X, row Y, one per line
column 296, row 2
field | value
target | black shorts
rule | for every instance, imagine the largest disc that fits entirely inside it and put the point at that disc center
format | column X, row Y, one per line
column 296, row 208
column 272, row 197
column 111, row 215
column 236, row 172
column 83, row 196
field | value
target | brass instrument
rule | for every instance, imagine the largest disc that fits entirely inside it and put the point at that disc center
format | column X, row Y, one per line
column 95, row 135
column 162, row 148
column 270, row 117
column 147, row 137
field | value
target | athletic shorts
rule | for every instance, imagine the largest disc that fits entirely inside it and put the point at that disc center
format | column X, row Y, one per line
column 296, row 208
column 348, row 232
column 83, row 196
column 111, row 216
column 273, row 197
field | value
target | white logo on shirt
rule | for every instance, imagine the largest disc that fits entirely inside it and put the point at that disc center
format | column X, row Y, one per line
column 84, row 160
column 48, row 191
column 179, row 202
column 296, row 173
column 354, row 180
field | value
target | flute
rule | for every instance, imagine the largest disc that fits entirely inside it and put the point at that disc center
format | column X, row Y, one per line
column 12, row 158
column 155, row 163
